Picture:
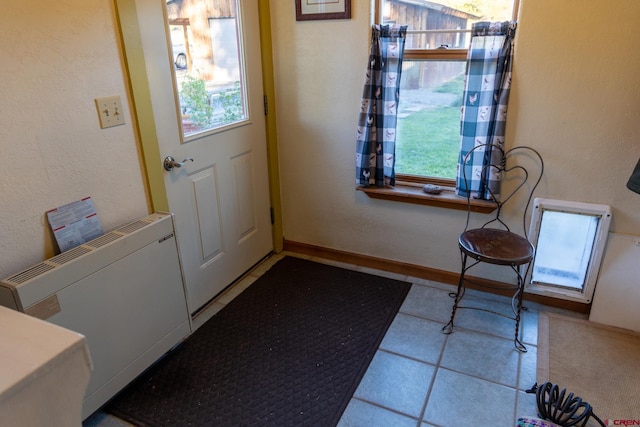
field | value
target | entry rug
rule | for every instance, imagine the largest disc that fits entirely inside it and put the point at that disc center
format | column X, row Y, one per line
column 288, row 351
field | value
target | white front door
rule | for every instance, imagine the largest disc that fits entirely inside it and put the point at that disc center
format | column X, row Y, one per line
column 220, row 199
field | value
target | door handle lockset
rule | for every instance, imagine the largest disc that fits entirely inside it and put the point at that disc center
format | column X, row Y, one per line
column 170, row 163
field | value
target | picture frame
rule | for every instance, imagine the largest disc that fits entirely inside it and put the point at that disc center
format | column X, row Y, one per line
column 312, row 10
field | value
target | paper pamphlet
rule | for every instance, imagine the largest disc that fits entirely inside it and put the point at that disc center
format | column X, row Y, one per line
column 74, row 223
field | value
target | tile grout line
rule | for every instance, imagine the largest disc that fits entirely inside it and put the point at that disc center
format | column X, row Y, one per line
column 433, row 380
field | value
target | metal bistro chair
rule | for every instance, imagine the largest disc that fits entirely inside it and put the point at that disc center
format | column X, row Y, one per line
column 494, row 242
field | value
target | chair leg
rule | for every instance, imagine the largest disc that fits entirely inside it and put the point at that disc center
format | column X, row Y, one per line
column 518, row 344
column 448, row 328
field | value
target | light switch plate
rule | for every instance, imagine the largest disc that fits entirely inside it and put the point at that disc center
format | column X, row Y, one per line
column 110, row 111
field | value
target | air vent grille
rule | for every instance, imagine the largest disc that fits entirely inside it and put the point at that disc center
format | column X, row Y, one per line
column 133, row 226
column 29, row 274
column 69, row 255
column 103, row 240
column 78, row 251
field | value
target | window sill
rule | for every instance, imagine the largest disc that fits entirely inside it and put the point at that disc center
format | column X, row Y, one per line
column 413, row 194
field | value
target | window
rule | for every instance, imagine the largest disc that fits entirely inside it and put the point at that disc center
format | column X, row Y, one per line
column 207, row 63
column 569, row 238
column 432, row 83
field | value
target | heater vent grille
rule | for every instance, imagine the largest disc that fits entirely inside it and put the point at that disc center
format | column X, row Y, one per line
column 130, row 228
column 69, row 255
column 79, row 251
column 103, row 240
column 29, row 274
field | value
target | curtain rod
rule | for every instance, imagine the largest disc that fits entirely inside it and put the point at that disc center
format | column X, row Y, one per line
column 436, row 31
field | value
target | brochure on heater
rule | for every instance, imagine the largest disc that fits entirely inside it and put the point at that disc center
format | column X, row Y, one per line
column 74, row 223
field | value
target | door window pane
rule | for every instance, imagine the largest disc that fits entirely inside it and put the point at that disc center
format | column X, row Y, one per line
column 207, row 58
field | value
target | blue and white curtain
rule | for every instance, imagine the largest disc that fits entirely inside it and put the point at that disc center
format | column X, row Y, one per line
column 376, row 133
column 484, row 107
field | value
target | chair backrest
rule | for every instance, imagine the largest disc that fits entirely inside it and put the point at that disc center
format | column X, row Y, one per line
column 504, row 165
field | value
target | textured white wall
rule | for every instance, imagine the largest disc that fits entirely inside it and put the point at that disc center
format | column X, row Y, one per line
column 319, row 72
column 58, row 57
column 574, row 98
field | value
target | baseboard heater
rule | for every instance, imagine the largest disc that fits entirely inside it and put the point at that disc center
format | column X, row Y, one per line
column 123, row 291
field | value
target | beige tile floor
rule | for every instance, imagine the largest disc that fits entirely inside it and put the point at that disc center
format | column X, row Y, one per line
column 420, row 377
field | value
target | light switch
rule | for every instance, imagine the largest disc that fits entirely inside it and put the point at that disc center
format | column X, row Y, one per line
column 110, row 111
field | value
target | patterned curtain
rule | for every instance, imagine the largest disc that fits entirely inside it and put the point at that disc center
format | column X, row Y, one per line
column 376, row 133
column 484, row 107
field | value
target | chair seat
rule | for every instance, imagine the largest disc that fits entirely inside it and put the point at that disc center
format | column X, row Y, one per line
column 496, row 246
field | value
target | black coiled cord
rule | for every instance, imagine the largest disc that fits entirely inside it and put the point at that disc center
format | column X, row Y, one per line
column 567, row 412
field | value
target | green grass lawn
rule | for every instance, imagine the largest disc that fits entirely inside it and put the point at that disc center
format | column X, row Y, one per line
column 428, row 142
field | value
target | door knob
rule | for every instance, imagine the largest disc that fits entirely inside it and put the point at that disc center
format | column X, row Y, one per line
column 170, row 163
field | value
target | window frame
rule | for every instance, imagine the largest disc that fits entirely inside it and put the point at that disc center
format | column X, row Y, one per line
column 431, row 55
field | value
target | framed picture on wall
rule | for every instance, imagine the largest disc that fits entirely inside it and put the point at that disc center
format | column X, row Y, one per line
column 310, row 10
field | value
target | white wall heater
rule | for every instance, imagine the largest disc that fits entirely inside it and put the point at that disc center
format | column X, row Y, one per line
column 123, row 291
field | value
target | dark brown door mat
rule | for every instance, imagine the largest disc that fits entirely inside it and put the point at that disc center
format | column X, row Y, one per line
column 288, row 351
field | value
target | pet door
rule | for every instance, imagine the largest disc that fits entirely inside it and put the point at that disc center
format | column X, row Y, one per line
column 569, row 238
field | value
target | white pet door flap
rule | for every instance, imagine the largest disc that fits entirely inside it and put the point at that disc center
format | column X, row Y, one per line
column 569, row 238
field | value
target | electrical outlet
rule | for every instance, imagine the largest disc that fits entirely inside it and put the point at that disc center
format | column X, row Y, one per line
column 110, row 111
